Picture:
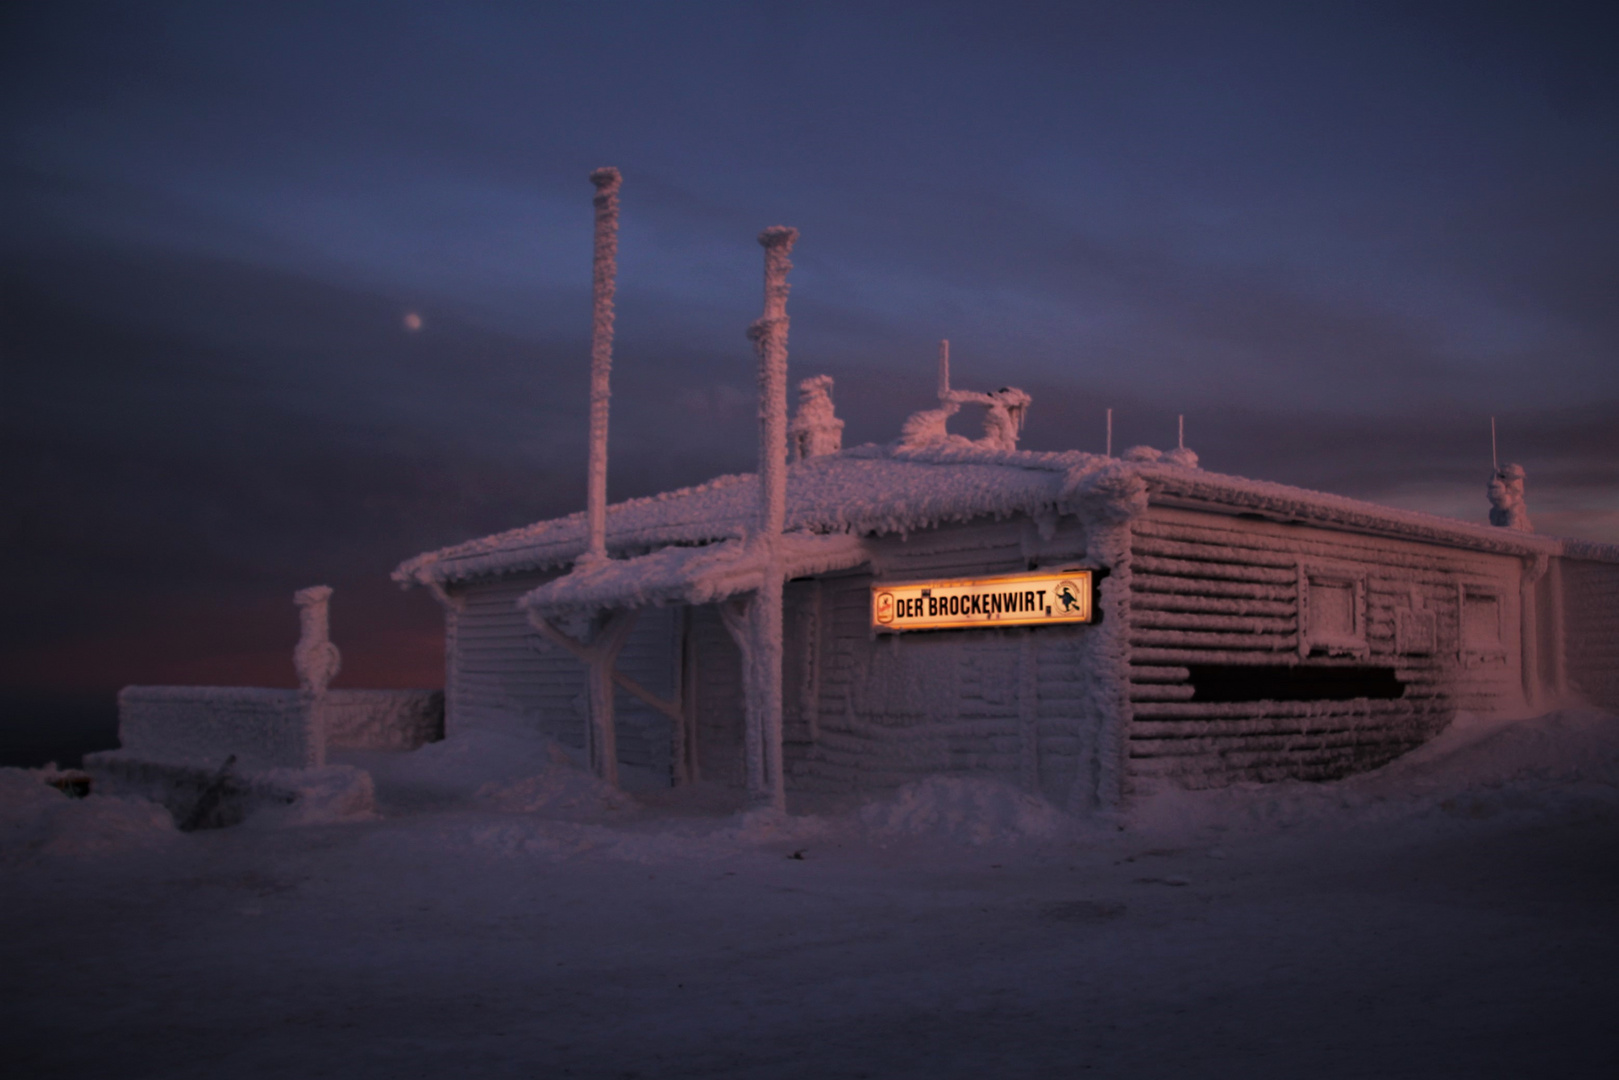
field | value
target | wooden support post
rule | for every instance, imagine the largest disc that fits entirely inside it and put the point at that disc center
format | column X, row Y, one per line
column 599, row 655
column 737, row 615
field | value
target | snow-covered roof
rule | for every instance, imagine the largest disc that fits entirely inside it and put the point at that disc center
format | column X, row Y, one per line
column 890, row 489
column 692, row 575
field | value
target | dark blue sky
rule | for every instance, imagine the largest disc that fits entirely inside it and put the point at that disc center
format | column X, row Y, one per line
column 1337, row 240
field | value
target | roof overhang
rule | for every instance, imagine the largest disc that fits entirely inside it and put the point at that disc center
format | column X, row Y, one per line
column 692, row 575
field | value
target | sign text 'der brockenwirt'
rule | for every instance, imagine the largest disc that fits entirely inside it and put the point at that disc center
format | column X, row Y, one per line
column 1037, row 599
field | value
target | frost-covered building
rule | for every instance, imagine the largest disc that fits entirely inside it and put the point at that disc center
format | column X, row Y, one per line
column 1242, row 630
column 1077, row 623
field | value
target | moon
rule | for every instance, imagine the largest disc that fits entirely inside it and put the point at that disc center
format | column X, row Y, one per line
column 413, row 321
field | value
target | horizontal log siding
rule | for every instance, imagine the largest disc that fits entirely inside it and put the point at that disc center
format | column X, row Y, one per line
column 1210, row 589
column 500, row 668
column 716, row 665
column 896, row 708
column 1591, row 629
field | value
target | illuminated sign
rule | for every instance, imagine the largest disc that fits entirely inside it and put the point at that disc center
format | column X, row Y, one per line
column 1038, row 599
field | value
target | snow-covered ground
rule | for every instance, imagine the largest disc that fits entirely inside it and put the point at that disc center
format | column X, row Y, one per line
column 499, row 913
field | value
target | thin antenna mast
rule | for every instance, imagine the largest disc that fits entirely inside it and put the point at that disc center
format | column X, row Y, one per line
column 1110, row 433
column 1180, row 431
column 603, row 284
column 944, row 369
column 1495, row 461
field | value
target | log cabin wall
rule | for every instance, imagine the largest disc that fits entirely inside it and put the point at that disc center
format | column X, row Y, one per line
column 869, row 712
column 499, row 667
column 1265, row 651
column 713, row 665
column 1590, row 598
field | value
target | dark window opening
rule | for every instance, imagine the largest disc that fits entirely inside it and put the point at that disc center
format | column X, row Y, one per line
column 1218, row 682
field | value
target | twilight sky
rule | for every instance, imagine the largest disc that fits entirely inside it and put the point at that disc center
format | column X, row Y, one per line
column 1337, row 240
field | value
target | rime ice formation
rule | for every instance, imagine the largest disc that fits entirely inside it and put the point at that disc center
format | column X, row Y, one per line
column 1003, row 416
column 1003, row 419
column 1148, row 455
column 599, row 653
column 758, row 626
column 604, row 273
column 898, row 489
column 815, row 429
column 1507, row 507
column 927, row 427
column 315, row 657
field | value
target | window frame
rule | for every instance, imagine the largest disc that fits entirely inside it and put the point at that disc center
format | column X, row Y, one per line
column 1468, row 653
column 1356, row 643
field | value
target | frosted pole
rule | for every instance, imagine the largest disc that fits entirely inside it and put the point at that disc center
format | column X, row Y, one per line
column 762, row 737
column 603, row 284
column 944, row 369
column 769, row 337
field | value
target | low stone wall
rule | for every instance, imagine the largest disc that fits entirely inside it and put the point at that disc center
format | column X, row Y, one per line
column 382, row 719
column 269, row 729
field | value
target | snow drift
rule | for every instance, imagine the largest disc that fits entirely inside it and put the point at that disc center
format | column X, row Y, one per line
column 37, row 819
column 1561, row 764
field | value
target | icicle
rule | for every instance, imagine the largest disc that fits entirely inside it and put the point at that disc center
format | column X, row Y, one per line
column 603, row 285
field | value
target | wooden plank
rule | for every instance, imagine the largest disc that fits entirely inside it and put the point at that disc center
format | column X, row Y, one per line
column 1141, row 601
column 1191, row 639
column 1213, row 571
column 1177, row 620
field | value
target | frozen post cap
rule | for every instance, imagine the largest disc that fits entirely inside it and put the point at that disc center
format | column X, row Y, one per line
column 315, row 594
column 1507, row 507
column 815, row 429
column 315, row 657
column 776, row 236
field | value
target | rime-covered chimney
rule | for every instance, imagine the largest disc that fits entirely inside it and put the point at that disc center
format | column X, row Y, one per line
column 815, row 429
column 1507, row 507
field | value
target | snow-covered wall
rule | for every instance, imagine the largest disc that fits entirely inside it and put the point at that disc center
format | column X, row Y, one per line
column 868, row 713
column 202, row 725
column 269, row 728
column 1224, row 607
column 500, row 668
column 383, row 719
column 1591, row 629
